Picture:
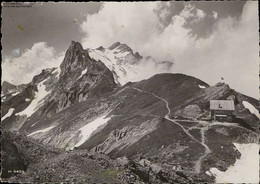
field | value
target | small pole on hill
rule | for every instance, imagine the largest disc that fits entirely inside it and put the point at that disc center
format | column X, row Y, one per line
column 222, row 80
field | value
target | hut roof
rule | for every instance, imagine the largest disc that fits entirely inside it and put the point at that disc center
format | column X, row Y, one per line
column 222, row 105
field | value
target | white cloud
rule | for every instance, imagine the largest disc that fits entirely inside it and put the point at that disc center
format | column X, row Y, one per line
column 215, row 15
column 192, row 13
column 15, row 52
column 231, row 51
column 163, row 12
column 120, row 21
column 200, row 14
column 20, row 70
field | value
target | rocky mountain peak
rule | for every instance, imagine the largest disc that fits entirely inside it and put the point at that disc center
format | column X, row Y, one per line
column 75, row 56
column 76, row 46
column 114, row 45
column 101, row 48
column 120, row 47
column 6, row 86
column 222, row 84
column 137, row 55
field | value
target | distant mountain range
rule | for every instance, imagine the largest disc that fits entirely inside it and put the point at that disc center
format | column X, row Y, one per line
column 95, row 102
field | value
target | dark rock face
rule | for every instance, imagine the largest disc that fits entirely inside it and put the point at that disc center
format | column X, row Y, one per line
column 43, row 75
column 167, row 64
column 114, row 45
column 137, row 55
column 121, row 48
column 9, row 90
column 12, row 161
column 6, row 87
column 101, row 48
column 73, row 58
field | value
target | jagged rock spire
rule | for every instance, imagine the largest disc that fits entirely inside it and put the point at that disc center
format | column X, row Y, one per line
column 74, row 53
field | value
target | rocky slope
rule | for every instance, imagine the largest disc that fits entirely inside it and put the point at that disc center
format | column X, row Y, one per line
column 152, row 130
column 27, row 160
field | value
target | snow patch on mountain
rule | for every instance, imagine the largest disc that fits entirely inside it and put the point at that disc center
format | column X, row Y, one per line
column 245, row 169
column 87, row 130
column 37, row 101
column 251, row 108
column 58, row 70
column 8, row 114
column 202, row 87
column 41, row 131
column 16, row 93
column 27, row 99
column 3, row 99
column 83, row 73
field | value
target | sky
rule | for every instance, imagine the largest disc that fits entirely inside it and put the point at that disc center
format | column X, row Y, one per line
column 207, row 40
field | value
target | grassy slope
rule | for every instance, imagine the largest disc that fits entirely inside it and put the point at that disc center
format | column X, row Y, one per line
column 175, row 88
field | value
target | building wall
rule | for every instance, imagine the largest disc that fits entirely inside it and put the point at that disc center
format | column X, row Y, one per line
column 229, row 115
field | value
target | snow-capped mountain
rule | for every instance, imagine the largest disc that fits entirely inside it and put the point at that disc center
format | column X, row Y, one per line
column 92, row 104
column 126, row 65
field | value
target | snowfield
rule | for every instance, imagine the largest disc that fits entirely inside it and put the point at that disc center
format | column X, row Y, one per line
column 251, row 108
column 121, row 72
column 36, row 102
column 42, row 131
column 245, row 169
column 119, row 62
column 88, row 129
column 8, row 114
